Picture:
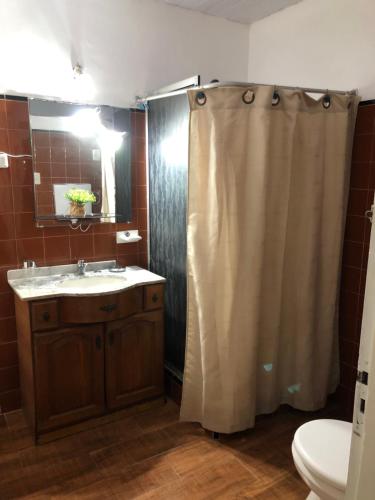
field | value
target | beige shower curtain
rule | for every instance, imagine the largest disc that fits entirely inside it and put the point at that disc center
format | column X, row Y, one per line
column 268, row 185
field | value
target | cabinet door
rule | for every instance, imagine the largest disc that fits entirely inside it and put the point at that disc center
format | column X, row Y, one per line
column 69, row 375
column 134, row 359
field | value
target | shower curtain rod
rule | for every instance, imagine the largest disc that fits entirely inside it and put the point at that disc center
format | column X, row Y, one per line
column 244, row 84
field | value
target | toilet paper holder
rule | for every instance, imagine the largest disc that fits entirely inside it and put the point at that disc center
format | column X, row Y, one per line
column 130, row 236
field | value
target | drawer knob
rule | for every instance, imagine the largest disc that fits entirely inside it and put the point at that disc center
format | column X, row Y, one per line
column 108, row 307
column 46, row 316
column 155, row 297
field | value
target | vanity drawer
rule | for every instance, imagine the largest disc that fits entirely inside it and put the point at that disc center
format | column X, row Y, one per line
column 100, row 308
column 44, row 315
column 153, row 297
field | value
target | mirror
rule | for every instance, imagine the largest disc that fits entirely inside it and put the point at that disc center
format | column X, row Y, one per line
column 81, row 162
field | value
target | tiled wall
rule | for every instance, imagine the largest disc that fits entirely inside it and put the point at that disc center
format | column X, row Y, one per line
column 20, row 239
column 356, row 249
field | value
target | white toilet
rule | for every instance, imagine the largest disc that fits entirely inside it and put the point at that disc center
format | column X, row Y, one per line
column 321, row 450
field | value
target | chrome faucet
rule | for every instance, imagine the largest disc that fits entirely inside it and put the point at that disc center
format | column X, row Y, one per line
column 81, row 265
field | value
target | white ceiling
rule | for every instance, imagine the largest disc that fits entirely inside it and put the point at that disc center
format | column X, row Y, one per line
column 242, row 11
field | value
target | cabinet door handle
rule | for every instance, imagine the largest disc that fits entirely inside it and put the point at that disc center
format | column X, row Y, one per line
column 155, row 297
column 46, row 316
column 98, row 342
column 108, row 307
column 111, row 338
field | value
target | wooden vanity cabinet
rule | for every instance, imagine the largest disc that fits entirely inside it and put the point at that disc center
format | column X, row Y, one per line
column 134, row 359
column 82, row 357
column 69, row 375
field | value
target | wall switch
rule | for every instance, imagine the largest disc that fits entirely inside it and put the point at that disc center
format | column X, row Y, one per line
column 96, row 155
column 36, row 178
column 4, row 160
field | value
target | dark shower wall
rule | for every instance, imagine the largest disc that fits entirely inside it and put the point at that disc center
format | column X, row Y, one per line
column 356, row 250
column 168, row 121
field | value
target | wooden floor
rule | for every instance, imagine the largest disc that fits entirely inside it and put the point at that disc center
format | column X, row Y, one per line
column 153, row 456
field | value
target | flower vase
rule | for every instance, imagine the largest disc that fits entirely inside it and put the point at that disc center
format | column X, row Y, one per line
column 77, row 209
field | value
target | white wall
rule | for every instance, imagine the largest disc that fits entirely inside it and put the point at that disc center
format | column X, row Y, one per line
column 128, row 47
column 317, row 43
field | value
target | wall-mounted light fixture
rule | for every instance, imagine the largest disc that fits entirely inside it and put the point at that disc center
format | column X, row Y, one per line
column 82, row 85
column 85, row 122
column 77, row 71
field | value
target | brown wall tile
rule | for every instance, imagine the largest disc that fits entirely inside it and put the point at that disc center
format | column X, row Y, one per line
column 25, row 226
column 141, row 196
column 4, row 141
column 17, row 115
column 8, row 330
column 6, row 305
column 362, row 147
column 21, row 171
column 9, row 378
column 4, row 287
column 8, row 354
column 81, row 247
column 104, row 245
column 57, row 249
column 31, row 249
column 355, row 254
column 6, row 200
column 7, row 231
column 41, row 139
column 10, row 400
column 23, row 199
column 8, row 253
column 19, row 142
column 142, row 218
column 3, row 115
column 5, row 177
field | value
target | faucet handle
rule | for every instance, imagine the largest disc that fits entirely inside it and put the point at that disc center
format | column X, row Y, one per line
column 27, row 264
column 81, row 265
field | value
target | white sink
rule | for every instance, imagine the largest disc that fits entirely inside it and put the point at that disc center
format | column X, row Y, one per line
column 93, row 283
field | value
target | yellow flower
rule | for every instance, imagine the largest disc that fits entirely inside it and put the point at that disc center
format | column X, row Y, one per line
column 80, row 196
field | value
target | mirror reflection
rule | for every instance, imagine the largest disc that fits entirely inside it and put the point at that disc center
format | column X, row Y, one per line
column 81, row 161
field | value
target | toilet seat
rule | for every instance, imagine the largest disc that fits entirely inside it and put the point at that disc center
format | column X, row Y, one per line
column 322, row 489
column 321, row 450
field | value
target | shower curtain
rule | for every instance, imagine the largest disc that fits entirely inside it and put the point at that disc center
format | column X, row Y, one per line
column 268, row 179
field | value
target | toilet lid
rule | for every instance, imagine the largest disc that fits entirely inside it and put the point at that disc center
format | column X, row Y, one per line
column 324, row 447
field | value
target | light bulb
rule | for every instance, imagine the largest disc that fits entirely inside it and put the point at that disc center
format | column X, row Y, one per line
column 85, row 123
column 109, row 139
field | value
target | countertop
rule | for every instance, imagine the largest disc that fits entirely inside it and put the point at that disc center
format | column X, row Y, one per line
column 55, row 281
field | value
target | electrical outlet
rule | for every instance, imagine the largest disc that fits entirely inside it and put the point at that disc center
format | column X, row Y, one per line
column 36, row 178
column 4, row 160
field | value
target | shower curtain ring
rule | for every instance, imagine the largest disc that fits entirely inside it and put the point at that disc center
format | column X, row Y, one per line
column 275, row 98
column 200, row 98
column 326, row 101
column 248, row 96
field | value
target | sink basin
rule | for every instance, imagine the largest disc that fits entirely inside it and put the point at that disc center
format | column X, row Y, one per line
column 93, row 283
